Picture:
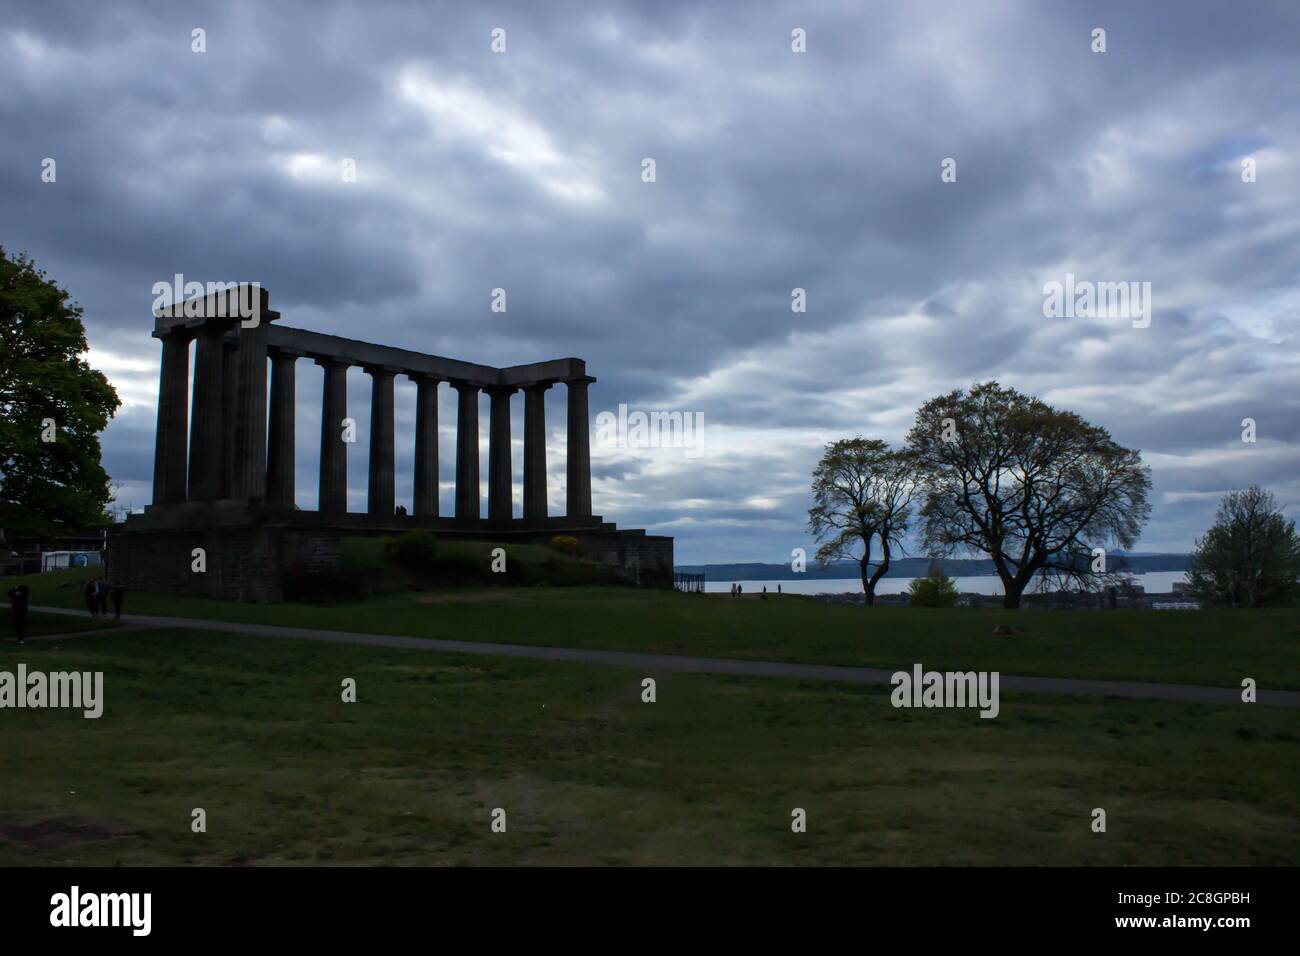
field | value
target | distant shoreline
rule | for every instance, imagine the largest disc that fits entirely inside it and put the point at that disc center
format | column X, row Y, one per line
column 1151, row 583
column 911, row 568
column 858, row 580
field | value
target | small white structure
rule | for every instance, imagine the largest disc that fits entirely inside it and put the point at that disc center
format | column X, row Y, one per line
column 60, row 560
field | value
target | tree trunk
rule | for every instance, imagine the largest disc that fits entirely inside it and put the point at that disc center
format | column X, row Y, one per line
column 868, row 585
column 1013, row 588
column 1014, row 584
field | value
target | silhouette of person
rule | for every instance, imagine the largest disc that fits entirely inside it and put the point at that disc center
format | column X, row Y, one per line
column 18, row 608
column 117, row 594
column 91, row 600
column 101, row 594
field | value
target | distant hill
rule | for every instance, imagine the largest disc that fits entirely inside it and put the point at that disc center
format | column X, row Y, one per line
column 910, row 568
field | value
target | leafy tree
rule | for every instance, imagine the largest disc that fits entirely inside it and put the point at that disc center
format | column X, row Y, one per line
column 863, row 493
column 936, row 589
column 1251, row 557
column 52, row 408
column 1033, row 487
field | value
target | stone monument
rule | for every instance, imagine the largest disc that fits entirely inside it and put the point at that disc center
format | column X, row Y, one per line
column 224, row 473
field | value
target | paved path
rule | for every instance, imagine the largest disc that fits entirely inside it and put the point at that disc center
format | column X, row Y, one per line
column 702, row 665
column 65, row 635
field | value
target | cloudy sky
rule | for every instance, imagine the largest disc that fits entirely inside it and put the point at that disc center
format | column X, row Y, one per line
column 774, row 170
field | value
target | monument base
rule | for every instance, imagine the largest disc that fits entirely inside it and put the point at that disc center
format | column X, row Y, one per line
column 249, row 550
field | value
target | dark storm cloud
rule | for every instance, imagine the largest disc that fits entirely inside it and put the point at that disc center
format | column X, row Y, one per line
column 775, row 171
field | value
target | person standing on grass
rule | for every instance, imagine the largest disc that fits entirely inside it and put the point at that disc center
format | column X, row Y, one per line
column 18, row 607
column 101, row 594
column 91, row 601
column 117, row 594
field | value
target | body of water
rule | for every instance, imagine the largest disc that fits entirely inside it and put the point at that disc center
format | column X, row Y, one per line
column 1155, row 582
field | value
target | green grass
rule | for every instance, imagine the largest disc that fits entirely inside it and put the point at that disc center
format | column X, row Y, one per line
column 1215, row 647
column 253, row 731
column 39, row 623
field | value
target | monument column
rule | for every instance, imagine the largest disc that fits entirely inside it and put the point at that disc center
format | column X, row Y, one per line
column 169, row 457
column 207, row 437
column 229, row 392
column 280, row 453
column 535, row 450
column 468, row 504
column 578, row 458
column 425, row 494
column 381, row 492
column 500, row 505
column 333, row 450
column 248, row 474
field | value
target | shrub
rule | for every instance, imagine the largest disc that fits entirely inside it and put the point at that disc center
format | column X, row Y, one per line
column 936, row 589
column 415, row 551
column 567, row 544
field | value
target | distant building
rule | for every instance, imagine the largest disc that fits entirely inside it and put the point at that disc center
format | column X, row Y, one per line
column 26, row 554
column 62, row 560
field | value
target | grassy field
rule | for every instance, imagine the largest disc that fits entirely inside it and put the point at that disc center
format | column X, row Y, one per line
column 39, row 623
column 1204, row 647
column 253, row 730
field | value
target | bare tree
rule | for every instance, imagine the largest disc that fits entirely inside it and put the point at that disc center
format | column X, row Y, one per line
column 863, row 493
column 1033, row 487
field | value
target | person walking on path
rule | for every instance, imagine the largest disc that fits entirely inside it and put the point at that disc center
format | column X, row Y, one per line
column 117, row 594
column 18, row 607
column 101, row 595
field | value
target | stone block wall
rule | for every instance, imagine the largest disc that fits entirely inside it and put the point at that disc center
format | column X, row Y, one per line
column 646, row 560
column 261, row 561
column 241, row 563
